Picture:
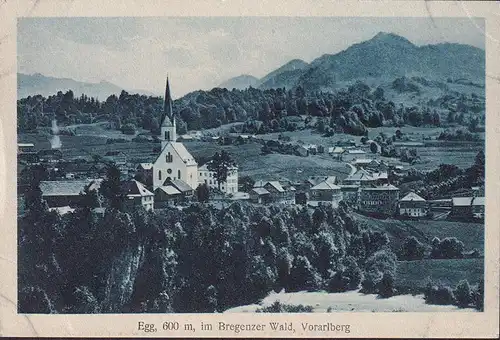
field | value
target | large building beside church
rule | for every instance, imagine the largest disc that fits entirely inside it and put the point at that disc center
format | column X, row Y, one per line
column 174, row 161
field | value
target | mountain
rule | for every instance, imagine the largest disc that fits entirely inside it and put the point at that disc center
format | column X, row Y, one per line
column 240, row 82
column 28, row 85
column 384, row 57
column 284, row 76
column 388, row 56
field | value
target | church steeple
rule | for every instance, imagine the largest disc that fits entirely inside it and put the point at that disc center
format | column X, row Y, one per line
column 168, row 126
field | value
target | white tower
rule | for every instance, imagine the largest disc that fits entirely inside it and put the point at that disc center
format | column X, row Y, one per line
column 168, row 128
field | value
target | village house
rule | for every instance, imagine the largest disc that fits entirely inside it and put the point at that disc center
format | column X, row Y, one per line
column 412, row 205
column 136, row 195
column 467, row 207
column 260, row 195
column 277, row 193
column 26, row 152
column 66, row 193
column 380, row 200
column 167, row 196
column 230, row 186
column 336, row 152
column 325, row 193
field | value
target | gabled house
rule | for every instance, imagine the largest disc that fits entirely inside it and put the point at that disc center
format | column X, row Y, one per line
column 467, row 207
column 167, row 195
column 412, row 205
column 137, row 195
column 325, row 193
column 260, row 195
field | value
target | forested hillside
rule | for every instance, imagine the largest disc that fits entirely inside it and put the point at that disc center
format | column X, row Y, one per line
column 348, row 110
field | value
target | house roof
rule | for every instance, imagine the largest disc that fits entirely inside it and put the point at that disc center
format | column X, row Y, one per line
column 325, row 185
column 380, row 175
column 363, row 161
column 388, row 187
column 467, row 201
column 276, row 185
column 146, row 166
column 135, row 188
column 65, row 188
column 179, row 184
column 25, row 144
column 478, row 201
column 169, row 190
column 259, row 184
column 260, row 191
column 356, row 151
column 62, row 210
column 360, row 175
column 412, row 197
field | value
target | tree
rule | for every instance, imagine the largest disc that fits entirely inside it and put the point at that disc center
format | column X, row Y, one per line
column 373, row 147
column 463, row 294
column 412, row 249
column 246, row 183
column 203, row 192
column 111, row 187
column 222, row 165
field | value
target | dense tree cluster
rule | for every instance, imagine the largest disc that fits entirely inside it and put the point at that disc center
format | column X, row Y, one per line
column 444, row 180
column 200, row 259
column 464, row 295
column 349, row 110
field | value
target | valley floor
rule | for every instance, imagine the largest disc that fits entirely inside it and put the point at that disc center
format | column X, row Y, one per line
column 352, row 301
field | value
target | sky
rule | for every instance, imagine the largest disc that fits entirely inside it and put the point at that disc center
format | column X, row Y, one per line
column 202, row 52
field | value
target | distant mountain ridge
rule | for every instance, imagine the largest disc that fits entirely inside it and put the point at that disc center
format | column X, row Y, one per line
column 29, row 85
column 385, row 56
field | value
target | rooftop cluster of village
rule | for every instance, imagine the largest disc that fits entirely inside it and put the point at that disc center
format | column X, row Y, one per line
column 173, row 176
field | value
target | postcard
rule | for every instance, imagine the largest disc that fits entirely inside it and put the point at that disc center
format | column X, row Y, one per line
column 249, row 169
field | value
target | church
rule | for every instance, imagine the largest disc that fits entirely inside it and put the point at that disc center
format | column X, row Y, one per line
column 174, row 163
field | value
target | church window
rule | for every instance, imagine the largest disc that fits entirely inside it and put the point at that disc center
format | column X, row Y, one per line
column 179, row 174
column 169, row 171
column 168, row 158
column 159, row 174
column 167, row 135
column 169, row 179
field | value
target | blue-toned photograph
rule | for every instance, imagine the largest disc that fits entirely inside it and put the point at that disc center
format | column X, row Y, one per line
column 250, row 164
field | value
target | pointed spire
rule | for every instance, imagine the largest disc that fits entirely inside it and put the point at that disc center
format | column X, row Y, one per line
column 168, row 115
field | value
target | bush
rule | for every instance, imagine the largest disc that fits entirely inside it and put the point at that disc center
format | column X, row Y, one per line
column 448, row 248
column 463, row 294
column 128, row 129
column 439, row 295
column 278, row 307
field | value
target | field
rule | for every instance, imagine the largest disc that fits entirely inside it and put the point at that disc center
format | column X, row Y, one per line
column 271, row 166
column 471, row 234
column 416, row 274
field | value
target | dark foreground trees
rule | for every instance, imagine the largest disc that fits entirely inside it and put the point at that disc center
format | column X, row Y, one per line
column 200, row 259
